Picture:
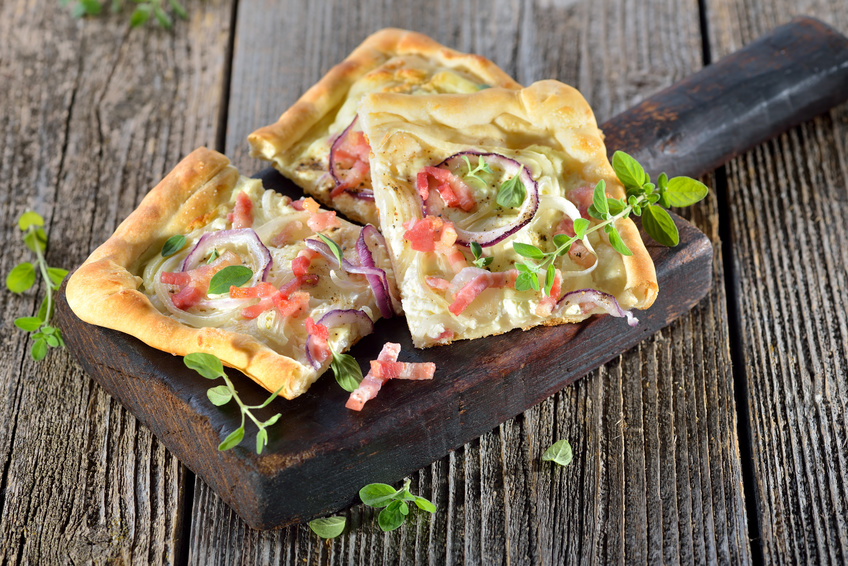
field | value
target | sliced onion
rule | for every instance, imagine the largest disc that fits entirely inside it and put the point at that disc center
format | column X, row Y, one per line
column 363, row 194
column 465, row 276
column 526, row 213
column 379, row 285
column 242, row 236
column 597, row 298
column 381, row 291
column 356, row 319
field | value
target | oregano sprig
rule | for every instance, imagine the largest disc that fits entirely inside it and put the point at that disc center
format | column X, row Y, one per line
column 643, row 198
column 141, row 14
column 559, row 453
column 22, row 277
column 394, row 503
column 210, row 367
column 482, row 167
column 479, row 259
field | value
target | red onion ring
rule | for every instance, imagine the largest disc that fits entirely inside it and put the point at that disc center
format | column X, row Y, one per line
column 213, row 240
column 526, row 213
column 600, row 299
column 379, row 285
column 338, row 317
column 325, row 251
column 364, row 194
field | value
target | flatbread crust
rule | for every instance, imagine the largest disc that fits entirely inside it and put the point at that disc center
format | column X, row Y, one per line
column 109, row 288
column 549, row 128
column 390, row 60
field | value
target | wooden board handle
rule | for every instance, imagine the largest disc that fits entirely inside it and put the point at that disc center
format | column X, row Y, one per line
column 786, row 77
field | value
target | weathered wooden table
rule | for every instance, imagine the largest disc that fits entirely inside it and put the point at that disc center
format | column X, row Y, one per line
column 724, row 438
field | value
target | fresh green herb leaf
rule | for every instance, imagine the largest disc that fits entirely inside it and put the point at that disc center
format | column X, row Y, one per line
column 213, row 256
column 550, row 275
column 599, row 200
column 140, row 15
column 616, row 206
column 328, row 527
column 173, row 244
column 164, row 19
column 526, row 281
column 559, row 453
column 476, row 250
column 21, row 278
column 30, row 218
column 528, row 250
column 560, row 240
column 631, row 174
column 482, row 167
column 580, row 227
column 207, row 365
column 56, row 276
column 230, row 276
column 334, row 247
column 425, row 505
column 28, row 323
column 36, row 240
column 391, row 517
column 479, row 260
column 377, row 494
column 659, row 226
column 512, row 193
column 39, row 349
column 179, row 10
column 273, row 419
column 617, row 243
column 233, row 439
column 683, row 191
column 346, row 370
column 220, row 395
column 261, row 440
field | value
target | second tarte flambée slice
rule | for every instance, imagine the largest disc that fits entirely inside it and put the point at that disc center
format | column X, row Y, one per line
column 318, row 143
column 440, row 167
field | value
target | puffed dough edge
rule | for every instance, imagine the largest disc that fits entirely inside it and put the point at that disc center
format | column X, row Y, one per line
column 271, row 141
column 104, row 292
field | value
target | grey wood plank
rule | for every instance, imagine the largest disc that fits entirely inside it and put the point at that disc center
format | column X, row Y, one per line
column 92, row 115
column 790, row 257
column 656, row 475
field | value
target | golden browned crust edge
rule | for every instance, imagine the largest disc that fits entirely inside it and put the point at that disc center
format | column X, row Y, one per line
column 269, row 141
column 104, row 292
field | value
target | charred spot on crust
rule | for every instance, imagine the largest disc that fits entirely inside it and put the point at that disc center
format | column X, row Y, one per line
column 311, row 164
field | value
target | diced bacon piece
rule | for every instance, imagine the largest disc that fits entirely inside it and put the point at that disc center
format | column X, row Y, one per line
column 445, row 336
column 422, row 182
column 354, row 177
column 180, row 278
column 447, row 237
column 351, row 161
column 547, row 304
column 429, row 234
column 566, row 226
column 472, row 281
column 306, row 280
column 453, row 190
column 195, row 288
column 308, row 204
column 582, row 197
column 457, row 259
column 578, row 252
column 300, row 264
column 293, row 305
column 251, row 312
column 323, row 221
column 243, row 211
column 402, row 370
column 370, row 385
column 287, row 235
column 437, row 283
column 259, row 290
column 319, row 348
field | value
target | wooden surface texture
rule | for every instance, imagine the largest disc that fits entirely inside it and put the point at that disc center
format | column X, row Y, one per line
column 719, row 439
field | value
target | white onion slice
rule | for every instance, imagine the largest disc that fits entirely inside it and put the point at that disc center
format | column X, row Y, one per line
column 593, row 298
column 242, row 236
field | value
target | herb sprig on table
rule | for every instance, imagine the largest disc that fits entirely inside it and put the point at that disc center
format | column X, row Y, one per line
column 395, row 505
column 643, row 198
column 22, row 278
column 210, row 367
column 160, row 10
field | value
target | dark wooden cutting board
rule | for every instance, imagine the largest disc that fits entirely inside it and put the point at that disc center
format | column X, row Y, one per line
column 320, row 454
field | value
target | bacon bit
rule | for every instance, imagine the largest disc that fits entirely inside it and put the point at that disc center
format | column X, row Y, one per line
column 287, row 234
column 308, row 204
column 578, row 252
column 297, row 302
column 453, row 190
column 194, row 289
column 547, row 304
column 445, row 336
column 429, row 233
column 353, row 156
column 323, row 221
column 306, row 280
column 255, row 292
column 477, row 285
column 320, row 348
column 402, row 370
column 370, row 385
column 437, row 283
column 582, row 197
column 566, row 226
column 242, row 215
column 300, row 264
column 457, row 259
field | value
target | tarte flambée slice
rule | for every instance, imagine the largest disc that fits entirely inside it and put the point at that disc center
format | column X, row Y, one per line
column 295, row 301
column 439, row 164
column 318, row 143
